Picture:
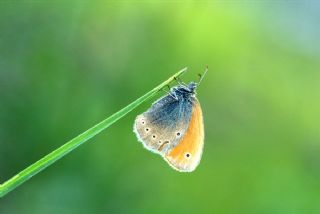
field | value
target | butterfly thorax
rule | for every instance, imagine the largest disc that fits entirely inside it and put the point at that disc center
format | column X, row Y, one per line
column 186, row 92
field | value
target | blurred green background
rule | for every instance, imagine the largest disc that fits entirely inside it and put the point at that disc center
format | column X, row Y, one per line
column 66, row 65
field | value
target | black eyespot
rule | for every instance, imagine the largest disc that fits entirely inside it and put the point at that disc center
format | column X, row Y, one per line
column 147, row 129
column 178, row 133
column 153, row 136
column 187, row 155
column 159, row 141
column 143, row 122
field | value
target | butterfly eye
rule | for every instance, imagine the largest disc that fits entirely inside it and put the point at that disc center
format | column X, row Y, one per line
column 188, row 155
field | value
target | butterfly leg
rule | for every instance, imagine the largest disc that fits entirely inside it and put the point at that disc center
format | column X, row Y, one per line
column 172, row 94
column 182, row 84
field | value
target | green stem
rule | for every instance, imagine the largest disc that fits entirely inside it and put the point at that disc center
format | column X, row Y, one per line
column 55, row 155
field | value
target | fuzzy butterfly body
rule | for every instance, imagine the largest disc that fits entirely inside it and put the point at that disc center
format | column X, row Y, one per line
column 173, row 128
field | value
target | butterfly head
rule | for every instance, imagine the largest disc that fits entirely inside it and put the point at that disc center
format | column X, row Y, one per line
column 192, row 86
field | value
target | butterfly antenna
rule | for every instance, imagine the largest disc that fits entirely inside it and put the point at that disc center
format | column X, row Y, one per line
column 201, row 76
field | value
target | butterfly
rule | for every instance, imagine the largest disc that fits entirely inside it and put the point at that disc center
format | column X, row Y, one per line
column 173, row 127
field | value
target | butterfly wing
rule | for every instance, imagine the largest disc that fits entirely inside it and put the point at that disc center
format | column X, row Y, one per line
column 186, row 156
column 163, row 126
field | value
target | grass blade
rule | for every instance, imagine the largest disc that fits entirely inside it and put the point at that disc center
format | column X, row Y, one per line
column 55, row 155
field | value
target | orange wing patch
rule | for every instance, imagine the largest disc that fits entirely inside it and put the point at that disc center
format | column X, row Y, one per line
column 186, row 156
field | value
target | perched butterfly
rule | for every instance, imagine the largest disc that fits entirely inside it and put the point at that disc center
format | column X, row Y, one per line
column 173, row 127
